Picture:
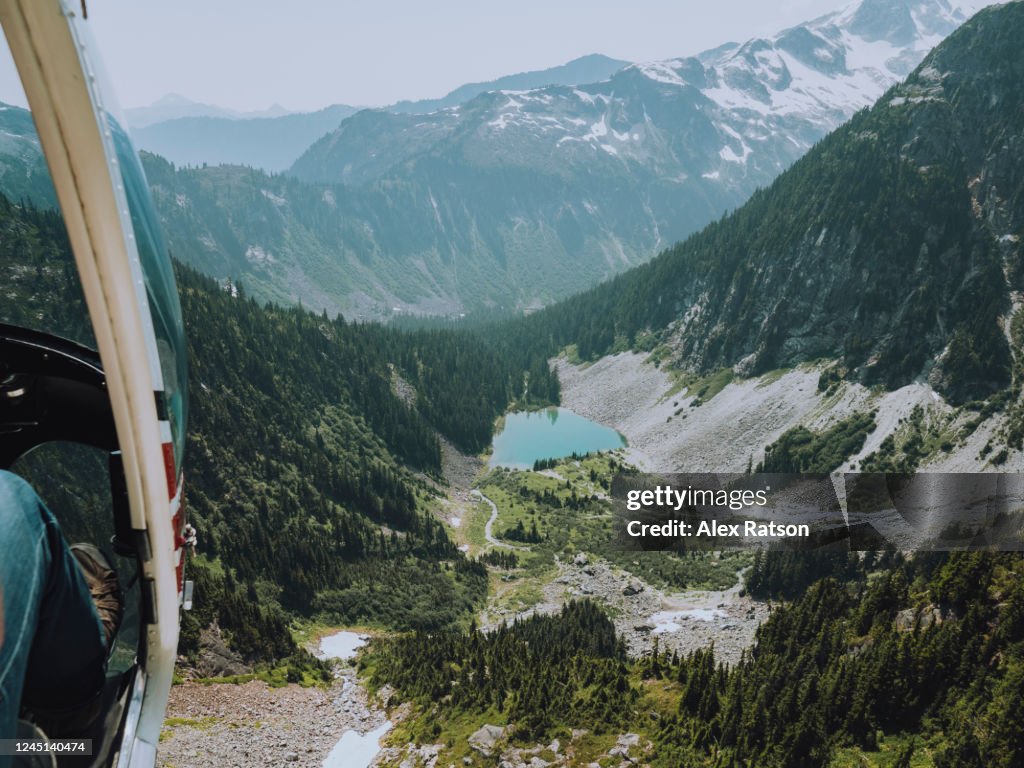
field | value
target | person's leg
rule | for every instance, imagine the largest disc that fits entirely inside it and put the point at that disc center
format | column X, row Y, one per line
column 53, row 653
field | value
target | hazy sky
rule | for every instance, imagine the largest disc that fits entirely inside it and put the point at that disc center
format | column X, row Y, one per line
column 309, row 53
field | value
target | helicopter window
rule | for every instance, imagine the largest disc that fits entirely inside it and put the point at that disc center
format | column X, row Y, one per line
column 57, row 426
column 39, row 284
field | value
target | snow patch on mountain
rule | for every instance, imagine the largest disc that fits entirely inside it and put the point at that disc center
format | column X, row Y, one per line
column 768, row 99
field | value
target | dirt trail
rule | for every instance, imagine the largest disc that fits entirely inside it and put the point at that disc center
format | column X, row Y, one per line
column 489, row 528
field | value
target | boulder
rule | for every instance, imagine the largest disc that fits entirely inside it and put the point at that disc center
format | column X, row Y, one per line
column 485, row 739
column 909, row 618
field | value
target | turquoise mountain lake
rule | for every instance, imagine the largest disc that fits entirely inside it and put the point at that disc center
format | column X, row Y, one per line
column 549, row 434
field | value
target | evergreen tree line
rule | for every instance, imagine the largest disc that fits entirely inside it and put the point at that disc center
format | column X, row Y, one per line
column 519, row 532
column 835, row 668
column 540, row 465
column 506, row 561
column 931, row 646
column 539, row 672
column 799, row 450
column 787, row 575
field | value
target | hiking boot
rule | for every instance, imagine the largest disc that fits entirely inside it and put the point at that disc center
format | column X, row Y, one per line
column 101, row 578
column 65, row 719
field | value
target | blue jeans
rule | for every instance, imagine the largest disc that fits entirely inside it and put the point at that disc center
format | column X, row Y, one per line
column 53, row 651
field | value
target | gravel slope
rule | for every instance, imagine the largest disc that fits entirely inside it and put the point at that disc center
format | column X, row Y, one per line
column 666, row 434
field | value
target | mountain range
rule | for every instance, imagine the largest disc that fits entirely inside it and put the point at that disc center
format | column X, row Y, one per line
column 173, row 106
column 270, row 143
column 518, row 198
column 189, row 133
column 585, row 69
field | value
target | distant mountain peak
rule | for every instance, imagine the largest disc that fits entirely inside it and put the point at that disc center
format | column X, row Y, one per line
column 173, row 100
column 884, row 20
column 270, row 140
column 840, row 61
column 592, row 67
column 174, row 106
column 892, row 246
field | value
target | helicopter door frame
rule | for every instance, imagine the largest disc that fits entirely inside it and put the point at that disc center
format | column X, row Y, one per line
column 49, row 45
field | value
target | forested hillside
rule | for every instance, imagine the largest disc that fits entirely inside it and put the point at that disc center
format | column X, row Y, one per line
column 304, row 465
column 23, row 172
column 301, row 449
column 892, row 246
column 902, row 662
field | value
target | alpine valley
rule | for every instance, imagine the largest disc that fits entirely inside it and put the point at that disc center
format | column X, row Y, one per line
column 879, row 275
column 861, row 312
column 858, row 309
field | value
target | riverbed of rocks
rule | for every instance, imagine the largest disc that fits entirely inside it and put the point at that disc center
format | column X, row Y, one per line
column 731, row 619
column 252, row 724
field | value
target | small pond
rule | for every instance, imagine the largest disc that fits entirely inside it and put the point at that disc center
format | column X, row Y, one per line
column 552, row 433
